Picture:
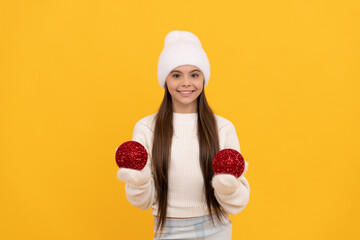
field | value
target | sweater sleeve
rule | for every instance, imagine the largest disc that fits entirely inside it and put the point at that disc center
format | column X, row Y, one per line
column 140, row 188
column 232, row 193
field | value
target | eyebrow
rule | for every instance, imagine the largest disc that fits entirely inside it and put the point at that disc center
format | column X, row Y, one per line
column 180, row 71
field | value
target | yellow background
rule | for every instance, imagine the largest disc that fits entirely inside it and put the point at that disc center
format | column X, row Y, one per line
column 77, row 75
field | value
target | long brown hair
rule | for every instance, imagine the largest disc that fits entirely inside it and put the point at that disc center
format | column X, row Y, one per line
column 208, row 147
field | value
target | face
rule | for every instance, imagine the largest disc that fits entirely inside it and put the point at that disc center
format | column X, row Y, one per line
column 185, row 84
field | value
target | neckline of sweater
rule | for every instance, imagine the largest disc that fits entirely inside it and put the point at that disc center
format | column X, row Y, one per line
column 185, row 122
column 185, row 119
column 184, row 116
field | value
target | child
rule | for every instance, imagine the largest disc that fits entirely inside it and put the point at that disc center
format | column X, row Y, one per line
column 188, row 200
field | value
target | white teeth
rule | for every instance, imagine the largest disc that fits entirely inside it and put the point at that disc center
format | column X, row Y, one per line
column 185, row 92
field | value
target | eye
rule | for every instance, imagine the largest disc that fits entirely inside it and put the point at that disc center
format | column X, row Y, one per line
column 197, row 75
column 175, row 75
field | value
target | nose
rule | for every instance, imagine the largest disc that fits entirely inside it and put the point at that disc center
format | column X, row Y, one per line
column 186, row 81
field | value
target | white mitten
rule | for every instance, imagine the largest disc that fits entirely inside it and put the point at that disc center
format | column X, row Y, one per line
column 135, row 177
column 227, row 183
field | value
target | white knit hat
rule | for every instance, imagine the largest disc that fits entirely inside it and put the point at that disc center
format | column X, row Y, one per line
column 182, row 48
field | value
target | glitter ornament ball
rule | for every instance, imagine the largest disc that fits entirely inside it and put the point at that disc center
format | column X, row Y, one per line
column 131, row 154
column 229, row 161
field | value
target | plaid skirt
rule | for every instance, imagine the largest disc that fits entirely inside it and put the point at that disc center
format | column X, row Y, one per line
column 195, row 228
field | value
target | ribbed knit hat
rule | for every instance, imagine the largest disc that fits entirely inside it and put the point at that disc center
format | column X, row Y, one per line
column 182, row 48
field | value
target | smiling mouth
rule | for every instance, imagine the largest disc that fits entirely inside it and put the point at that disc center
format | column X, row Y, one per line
column 186, row 93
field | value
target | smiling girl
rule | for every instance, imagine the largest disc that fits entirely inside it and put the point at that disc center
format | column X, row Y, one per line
column 188, row 200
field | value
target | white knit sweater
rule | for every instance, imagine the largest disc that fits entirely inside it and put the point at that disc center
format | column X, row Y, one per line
column 186, row 196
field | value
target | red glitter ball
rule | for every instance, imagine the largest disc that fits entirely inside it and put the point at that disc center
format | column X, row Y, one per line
column 131, row 154
column 228, row 161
